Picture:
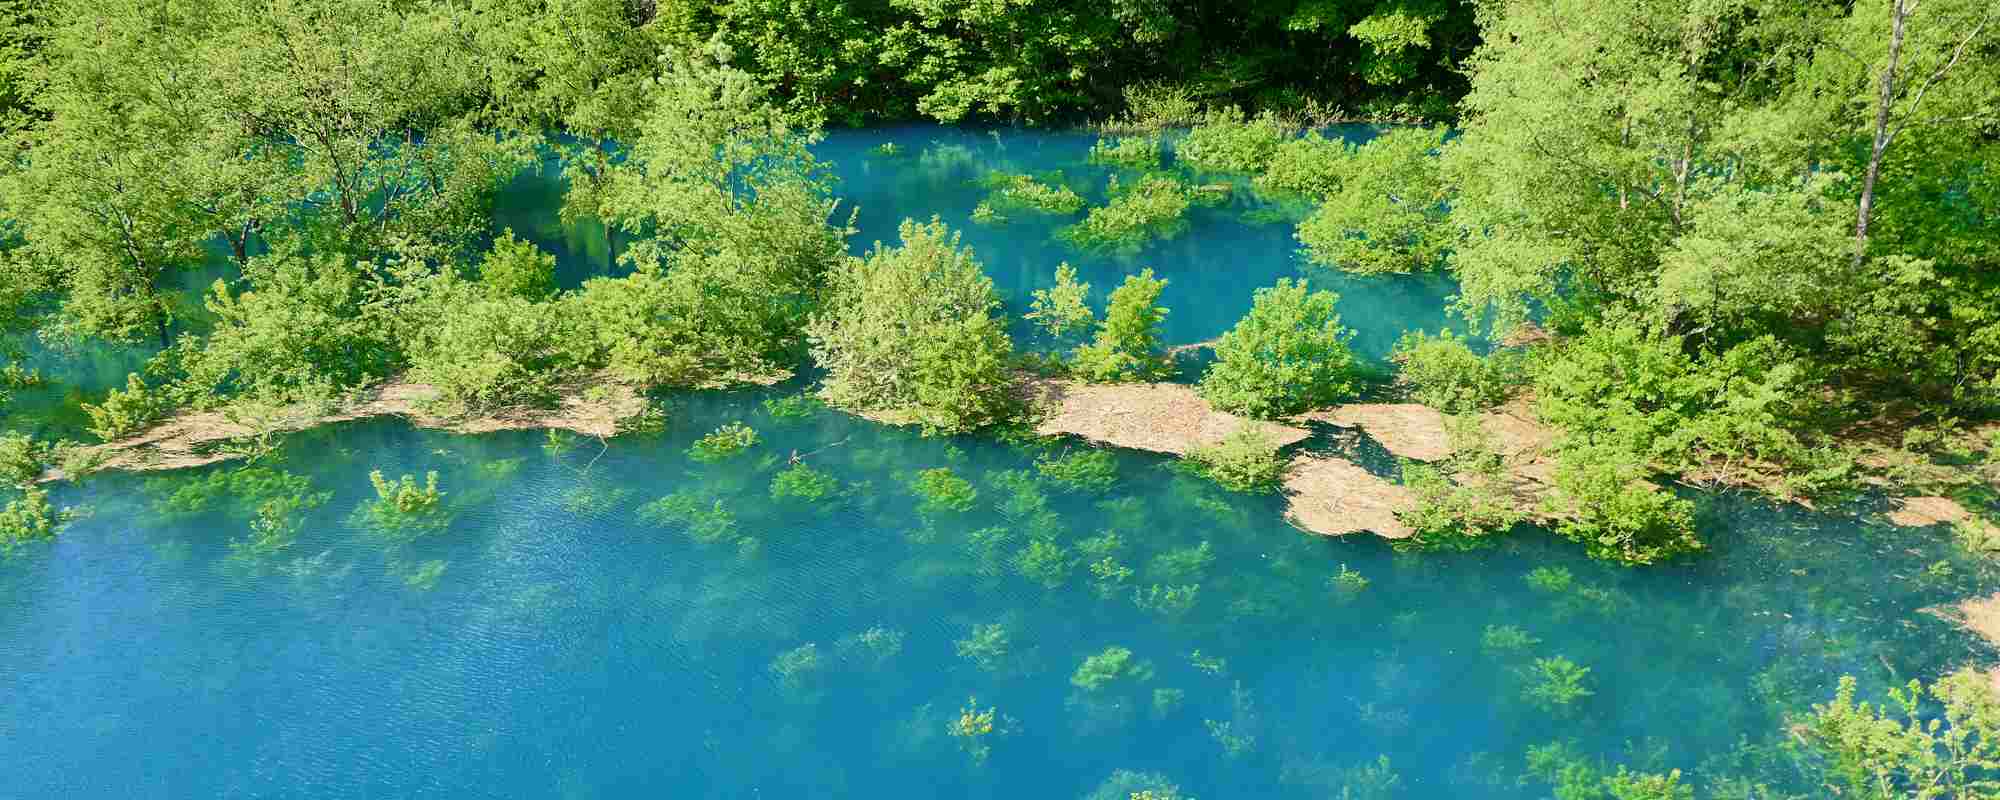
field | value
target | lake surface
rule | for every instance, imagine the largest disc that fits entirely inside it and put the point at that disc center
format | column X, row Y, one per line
column 558, row 631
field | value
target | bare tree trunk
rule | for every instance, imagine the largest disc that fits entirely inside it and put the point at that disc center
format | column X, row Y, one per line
column 1885, row 96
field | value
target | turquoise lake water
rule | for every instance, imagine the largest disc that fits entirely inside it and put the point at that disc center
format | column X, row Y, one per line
column 554, row 635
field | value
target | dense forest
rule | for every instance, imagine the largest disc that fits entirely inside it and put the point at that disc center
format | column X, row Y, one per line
column 1744, row 243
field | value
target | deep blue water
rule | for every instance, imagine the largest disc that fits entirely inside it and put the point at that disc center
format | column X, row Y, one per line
column 573, row 646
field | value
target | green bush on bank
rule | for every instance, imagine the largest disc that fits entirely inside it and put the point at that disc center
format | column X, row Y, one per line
column 1288, row 354
column 1127, row 346
column 912, row 332
column 1442, row 372
column 128, row 411
column 1061, row 310
column 1244, row 461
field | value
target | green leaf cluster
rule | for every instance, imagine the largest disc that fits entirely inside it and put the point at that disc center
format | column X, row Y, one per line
column 1244, row 461
column 912, row 333
column 1127, row 346
column 1288, row 354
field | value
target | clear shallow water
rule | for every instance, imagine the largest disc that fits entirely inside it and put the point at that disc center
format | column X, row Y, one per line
column 572, row 646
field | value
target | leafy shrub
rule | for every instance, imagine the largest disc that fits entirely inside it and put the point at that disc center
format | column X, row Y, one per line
column 1464, row 499
column 1309, row 167
column 803, row 483
column 517, row 268
column 1060, row 310
column 1614, row 513
column 1138, row 152
column 1112, row 665
column 1287, row 355
column 28, row 518
column 1442, row 372
column 911, row 332
column 1388, row 213
column 1244, row 461
column 1642, row 399
column 126, row 412
column 1228, row 141
column 705, row 318
column 483, row 353
column 1154, row 106
column 22, row 459
column 1127, row 347
column 300, row 329
column 728, row 440
column 1152, row 208
column 1673, row 407
column 1945, row 738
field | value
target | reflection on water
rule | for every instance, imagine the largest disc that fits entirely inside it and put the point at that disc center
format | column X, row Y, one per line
column 897, row 616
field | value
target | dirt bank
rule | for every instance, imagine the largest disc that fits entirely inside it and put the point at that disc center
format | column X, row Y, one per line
column 192, row 439
column 1334, row 497
column 1160, row 417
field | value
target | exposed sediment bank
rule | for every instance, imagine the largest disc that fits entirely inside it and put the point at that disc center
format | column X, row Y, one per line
column 197, row 438
column 1325, row 494
column 1160, row 417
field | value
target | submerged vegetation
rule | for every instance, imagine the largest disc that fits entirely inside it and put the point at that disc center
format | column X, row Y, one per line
column 1142, row 211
